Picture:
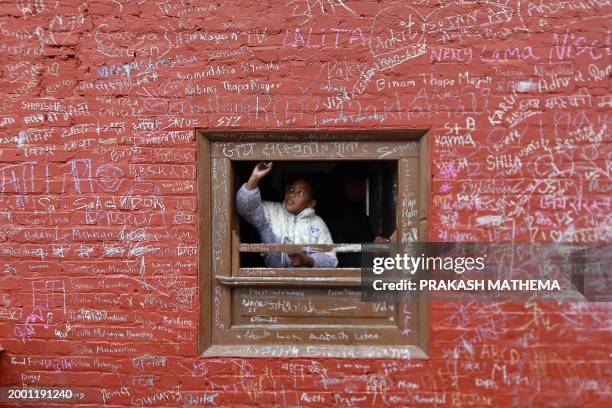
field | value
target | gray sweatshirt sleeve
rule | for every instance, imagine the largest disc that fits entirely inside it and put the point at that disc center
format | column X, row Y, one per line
column 249, row 206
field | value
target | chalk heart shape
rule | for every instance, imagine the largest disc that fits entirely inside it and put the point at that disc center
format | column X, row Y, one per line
column 305, row 73
column 556, row 236
column 61, row 28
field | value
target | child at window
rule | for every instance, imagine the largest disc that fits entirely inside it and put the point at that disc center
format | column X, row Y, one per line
column 291, row 222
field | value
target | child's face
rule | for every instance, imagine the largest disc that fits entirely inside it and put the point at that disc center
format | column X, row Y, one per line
column 299, row 197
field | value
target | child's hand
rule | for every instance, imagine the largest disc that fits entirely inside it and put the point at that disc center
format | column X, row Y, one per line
column 301, row 259
column 261, row 169
column 259, row 172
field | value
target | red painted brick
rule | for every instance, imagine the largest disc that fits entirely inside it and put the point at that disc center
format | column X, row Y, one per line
column 98, row 186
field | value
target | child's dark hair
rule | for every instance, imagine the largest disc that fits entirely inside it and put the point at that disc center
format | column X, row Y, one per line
column 310, row 179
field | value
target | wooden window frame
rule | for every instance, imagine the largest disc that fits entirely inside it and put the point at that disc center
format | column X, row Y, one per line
column 219, row 273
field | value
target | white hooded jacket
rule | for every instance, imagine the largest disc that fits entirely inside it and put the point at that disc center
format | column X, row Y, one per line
column 276, row 225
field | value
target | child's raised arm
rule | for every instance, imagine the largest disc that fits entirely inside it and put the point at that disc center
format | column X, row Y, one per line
column 250, row 207
column 259, row 172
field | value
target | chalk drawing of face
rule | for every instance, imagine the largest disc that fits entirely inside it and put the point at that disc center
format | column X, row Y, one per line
column 109, row 177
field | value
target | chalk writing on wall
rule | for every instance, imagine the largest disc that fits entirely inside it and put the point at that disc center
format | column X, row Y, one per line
column 99, row 201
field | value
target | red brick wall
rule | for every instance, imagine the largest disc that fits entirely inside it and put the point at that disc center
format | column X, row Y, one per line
column 98, row 199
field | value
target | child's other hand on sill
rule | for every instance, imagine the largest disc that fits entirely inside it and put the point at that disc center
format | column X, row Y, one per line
column 301, row 259
column 381, row 240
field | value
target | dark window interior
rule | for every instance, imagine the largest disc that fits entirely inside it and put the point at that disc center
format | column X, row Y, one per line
column 357, row 200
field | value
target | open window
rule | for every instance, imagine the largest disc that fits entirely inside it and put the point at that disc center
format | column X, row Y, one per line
column 356, row 199
column 371, row 184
